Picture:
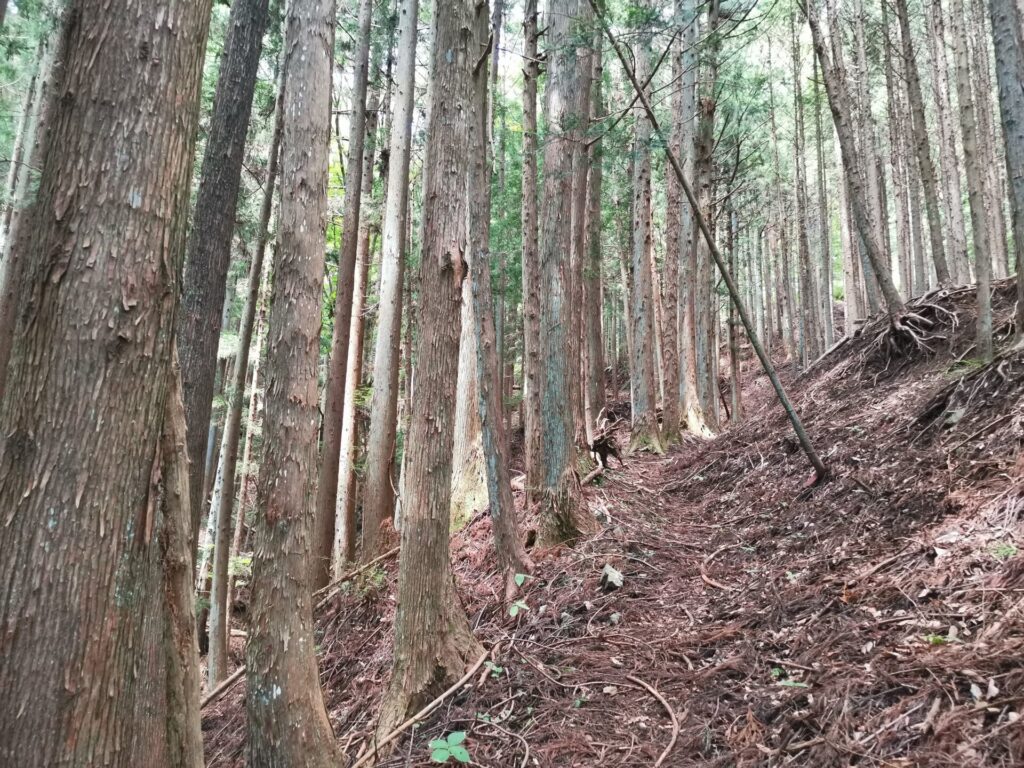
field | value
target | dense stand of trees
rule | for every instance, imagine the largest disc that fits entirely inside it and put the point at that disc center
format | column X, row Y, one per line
column 392, row 267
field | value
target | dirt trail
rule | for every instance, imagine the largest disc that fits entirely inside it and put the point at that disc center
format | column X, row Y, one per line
column 875, row 620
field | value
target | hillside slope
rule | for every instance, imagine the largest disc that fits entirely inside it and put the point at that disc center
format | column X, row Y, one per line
column 873, row 620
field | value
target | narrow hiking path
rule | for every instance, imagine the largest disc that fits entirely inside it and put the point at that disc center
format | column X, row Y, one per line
column 874, row 620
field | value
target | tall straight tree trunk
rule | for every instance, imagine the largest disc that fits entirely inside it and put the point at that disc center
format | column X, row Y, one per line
column 989, row 135
column 378, row 495
column 563, row 514
column 809, row 326
column 532, row 367
column 578, row 254
column 344, row 547
column 213, row 225
column 824, row 230
column 246, row 476
column 670, row 368
column 839, row 100
column 898, row 157
column 512, row 558
column 88, row 540
column 706, row 308
column 780, row 251
column 288, row 723
column 686, row 118
column 980, row 225
column 948, row 163
column 645, row 434
column 433, row 641
column 1008, row 39
column 922, row 145
column 221, row 508
column 334, row 394
column 469, row 475
column 592, row 301
column 864, row 125
column 735, row 393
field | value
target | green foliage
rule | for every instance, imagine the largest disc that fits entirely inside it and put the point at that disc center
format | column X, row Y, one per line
column 450, row 747
column 1004, row 550
column 517, row 607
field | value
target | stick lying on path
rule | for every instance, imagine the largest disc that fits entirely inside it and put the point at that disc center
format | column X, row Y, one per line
column 235, row 676
column 671, row 713
column 372, row 753
column 820, row 471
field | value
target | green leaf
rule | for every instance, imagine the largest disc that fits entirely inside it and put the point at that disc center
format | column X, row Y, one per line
column 440, row 755
column 794, row 684
column 456, row 737
column 520, row 579
column 460, row 754
column 513, row 610
column 438, row 744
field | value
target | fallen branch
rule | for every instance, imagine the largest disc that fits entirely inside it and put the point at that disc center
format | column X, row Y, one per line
column 671, row 713
column 217, row 692
column 235, row 676
column 592, row 474
column 333, row 586
column 371, row 754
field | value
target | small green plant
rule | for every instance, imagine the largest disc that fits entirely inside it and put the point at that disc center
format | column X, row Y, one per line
column 793, row 684
column 1004, row 550
column 936, row 639
column 450, row 747
column 494, row 669
column 516, row 607
column 521, row 579
column 777, row 672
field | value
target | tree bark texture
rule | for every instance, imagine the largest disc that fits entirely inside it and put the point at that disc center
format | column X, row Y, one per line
column 221, row 508
column 209, row 243
column 378, row 485
column 87, row 389
column 433, row 641
column 288, row 723
column 334, row 394
column 563, row 516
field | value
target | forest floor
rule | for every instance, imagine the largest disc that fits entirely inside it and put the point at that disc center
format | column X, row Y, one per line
column 876, row 619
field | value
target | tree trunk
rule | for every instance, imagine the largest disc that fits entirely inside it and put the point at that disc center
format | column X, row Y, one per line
column 735, row 393
column 563, row 514
column 923, row 146
column 512, row 558
column 344, row 546
column 824, row 229
column 532, row 367
column 433, row 641
column 948, row 162
column 288, row 723
column 213, row 225
column 839, row 99
column 645, row 434
column 1008, row 39
column 334, row 388
column 378, row 484
column 220, row 509
column 987, row 138
column 673, row 258
column 82, row 551
column 975, row 181
column 809, row 310
column 594, row 356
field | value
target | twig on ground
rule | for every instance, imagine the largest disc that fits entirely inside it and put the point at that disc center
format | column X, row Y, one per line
column 671, row 713
column 423, row 712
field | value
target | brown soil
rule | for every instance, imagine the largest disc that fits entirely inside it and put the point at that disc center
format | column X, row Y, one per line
column 877, row 619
